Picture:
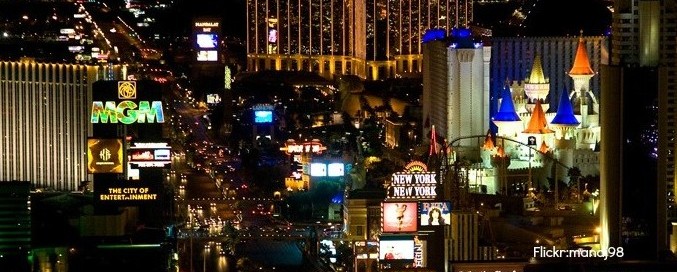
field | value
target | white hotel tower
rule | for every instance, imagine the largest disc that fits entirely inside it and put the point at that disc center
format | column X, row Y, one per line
column 456, row 86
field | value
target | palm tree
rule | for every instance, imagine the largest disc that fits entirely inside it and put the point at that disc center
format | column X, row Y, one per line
column 231, row 237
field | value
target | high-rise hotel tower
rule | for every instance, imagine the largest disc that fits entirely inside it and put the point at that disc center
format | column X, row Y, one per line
column 44, row 123
column 372, row 39
column 637, row 159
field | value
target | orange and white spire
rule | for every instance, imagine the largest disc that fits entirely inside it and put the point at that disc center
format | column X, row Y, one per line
column 488, row 141
column 581, row 61
column 500, row 152
column 581, row 72
column 538, row 124
column 544, row 147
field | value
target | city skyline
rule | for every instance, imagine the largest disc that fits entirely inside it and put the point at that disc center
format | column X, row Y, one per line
column 338, row 135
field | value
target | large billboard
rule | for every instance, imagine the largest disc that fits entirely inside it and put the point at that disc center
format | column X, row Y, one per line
column 335, row 169
column 393, row 248
column 104, row 156
column 207, row 55
column 206, row 33
column 435, row 213
column 207, row 40
column 263, row 116
column 322, row 169
column 318, row 170
column 415, row 182
column 399, row 216
column 149, row 155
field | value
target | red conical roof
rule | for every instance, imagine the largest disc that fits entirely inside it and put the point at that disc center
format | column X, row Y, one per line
column 581, row 62
column 500, row 152
column 433, row 142
column 488, row 141
column 544, row 147
column 537, row 123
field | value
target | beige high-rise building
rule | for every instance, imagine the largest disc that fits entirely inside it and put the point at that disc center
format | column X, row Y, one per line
column 45, row 124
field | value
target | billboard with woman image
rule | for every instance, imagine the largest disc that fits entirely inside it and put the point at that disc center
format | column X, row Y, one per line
column 435, row 213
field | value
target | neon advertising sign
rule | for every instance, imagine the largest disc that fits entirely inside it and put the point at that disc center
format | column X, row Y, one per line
column 127, row 111
column 292, row 148
column 414, row 182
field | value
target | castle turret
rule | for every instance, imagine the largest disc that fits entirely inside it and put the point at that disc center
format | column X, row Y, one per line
column 506, row 119
column 564, row 124
column 544, row 148
column 537, row 86
column 537, row 131
column 581, row 72
column 518, row 97
column 565, row 121
column 488, row 149
column 537, row 123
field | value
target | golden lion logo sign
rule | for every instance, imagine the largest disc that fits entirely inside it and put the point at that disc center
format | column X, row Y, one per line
column 127, row 90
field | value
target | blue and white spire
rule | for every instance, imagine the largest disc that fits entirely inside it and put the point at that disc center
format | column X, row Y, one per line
column 506, row 119
column 565, row 112
column 506, row 112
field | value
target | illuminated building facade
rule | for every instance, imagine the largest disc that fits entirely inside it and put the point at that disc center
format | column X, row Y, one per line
column 317, row 36
column 641, row 76
column 372, row 39
column 568, row 127
column 15, row 221
column 512, row 59
column 362, row 221
column 44, row 132
column 456, row 86
column 464, row 237
column 529, row 118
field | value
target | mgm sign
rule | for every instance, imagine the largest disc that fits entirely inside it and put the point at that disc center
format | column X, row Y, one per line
column 415, row 182
column 127, row 111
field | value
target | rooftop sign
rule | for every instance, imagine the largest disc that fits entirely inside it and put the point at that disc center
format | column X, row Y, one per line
column 314, row 146
column 415, row 182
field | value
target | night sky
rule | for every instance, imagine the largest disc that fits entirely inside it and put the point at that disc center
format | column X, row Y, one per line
column 562, row 18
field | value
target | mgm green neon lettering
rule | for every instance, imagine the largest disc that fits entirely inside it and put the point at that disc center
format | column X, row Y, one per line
column 127, row 112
